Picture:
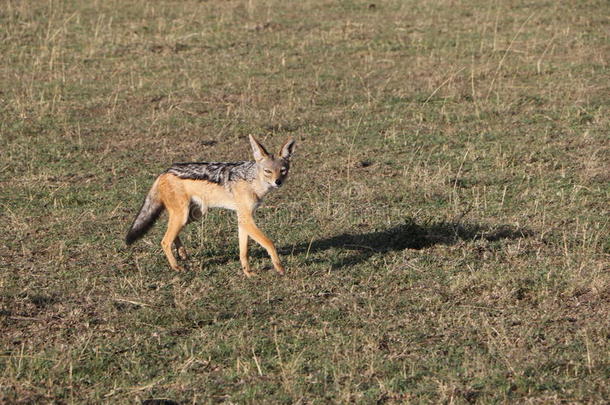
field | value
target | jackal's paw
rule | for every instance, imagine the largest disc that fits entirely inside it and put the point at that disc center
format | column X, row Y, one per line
column 249, row 273
column 182, row 253
column 178, row 268
column 280, row 269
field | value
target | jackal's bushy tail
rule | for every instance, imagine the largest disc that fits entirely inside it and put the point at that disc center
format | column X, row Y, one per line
column 148, row 214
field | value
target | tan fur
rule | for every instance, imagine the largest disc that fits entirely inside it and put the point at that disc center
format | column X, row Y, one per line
column 188, row 199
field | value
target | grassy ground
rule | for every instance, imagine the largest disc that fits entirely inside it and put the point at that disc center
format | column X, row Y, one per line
column 445, row 228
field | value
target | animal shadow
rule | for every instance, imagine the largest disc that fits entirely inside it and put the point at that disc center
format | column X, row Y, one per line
column 409, row 235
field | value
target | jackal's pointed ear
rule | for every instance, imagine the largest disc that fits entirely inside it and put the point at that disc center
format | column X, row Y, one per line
column 258, row 150
column 287, row 150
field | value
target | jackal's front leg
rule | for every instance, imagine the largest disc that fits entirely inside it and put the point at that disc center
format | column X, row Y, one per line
column 247, row 227
column 243, row 250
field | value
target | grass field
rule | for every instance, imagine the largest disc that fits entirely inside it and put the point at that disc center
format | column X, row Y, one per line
column 445, row 228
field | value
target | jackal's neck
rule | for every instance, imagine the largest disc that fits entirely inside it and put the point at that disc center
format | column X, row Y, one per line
column 250, row 173
column 260, row 187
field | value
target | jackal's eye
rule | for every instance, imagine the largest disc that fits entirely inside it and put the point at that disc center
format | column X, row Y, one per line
column 284, row 170
column 267, row 171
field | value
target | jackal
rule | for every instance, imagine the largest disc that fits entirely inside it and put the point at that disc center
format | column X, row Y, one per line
column 187, row 190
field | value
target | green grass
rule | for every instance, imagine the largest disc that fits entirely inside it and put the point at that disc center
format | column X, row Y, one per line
column 445, row 225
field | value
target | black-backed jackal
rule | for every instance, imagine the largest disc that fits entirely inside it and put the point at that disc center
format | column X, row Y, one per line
column 187, row 190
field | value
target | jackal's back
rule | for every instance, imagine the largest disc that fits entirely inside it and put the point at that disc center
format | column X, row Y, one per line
column 222, row 173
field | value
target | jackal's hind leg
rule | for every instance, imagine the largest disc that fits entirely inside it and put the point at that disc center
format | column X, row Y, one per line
column 180, row 248
column 174, row 226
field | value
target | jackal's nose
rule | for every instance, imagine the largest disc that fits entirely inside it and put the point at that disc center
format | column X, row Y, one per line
column 278, row 182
